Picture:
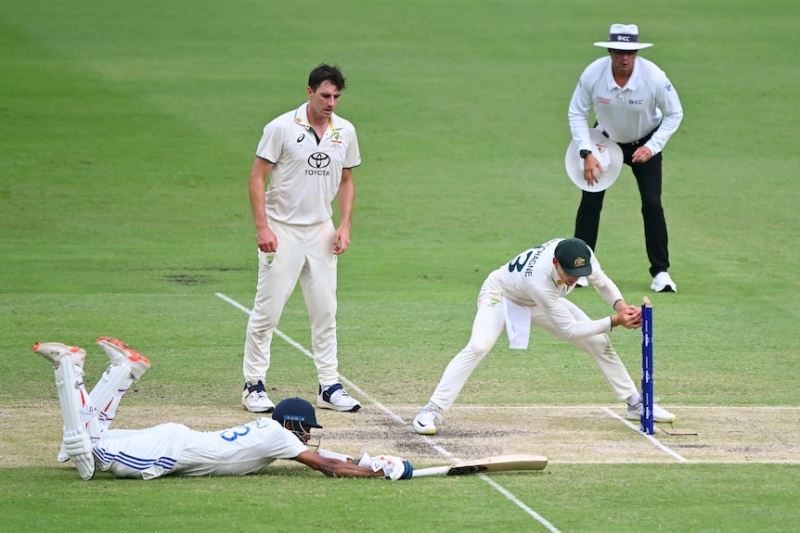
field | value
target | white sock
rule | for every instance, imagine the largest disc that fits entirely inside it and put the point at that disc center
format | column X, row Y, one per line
column 634, row 399
column 432, row 405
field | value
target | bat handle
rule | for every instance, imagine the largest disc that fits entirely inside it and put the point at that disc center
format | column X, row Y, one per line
column 434, row 471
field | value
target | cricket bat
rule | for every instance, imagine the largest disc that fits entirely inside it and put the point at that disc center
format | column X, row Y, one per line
column 500, row 463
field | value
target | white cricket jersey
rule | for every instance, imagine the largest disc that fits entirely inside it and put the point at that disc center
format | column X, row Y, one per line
column 531, row 279
column 174, row 449
column 306, row 175
column 626, row 113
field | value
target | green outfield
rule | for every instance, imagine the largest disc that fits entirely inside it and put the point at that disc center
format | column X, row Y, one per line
column 127, row 131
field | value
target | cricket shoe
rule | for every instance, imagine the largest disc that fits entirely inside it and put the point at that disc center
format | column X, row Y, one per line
column 255, row 399
column 425, row 421
column 660, row 414
column 55, row 352
column 122, row 354
column 582, row 282
column 336, row 398
column 663, row 283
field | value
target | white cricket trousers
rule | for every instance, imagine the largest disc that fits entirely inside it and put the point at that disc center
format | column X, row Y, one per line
column 489, row 324
column 305, row 253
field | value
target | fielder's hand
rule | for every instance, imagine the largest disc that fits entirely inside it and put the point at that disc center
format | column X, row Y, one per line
column 394, row 468
column 630, row 317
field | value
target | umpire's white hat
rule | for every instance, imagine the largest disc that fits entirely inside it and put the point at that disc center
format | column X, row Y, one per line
column 623, row 37
column 608, row 154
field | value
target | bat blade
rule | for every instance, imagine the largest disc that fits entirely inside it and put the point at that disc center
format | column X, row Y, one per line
column 499, row 463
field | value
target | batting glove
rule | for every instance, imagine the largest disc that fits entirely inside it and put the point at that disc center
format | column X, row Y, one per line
column 394, row 468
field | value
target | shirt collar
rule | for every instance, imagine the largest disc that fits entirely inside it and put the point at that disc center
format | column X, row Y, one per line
column 301, row 118
column 559, row 284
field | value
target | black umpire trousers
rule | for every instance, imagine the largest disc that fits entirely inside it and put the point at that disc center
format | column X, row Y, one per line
column 648, row 177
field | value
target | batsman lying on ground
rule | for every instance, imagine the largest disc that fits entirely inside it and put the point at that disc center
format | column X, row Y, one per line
column 531, row 289
column 174, row 449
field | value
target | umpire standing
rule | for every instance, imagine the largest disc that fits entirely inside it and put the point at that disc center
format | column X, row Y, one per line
column 636, row 106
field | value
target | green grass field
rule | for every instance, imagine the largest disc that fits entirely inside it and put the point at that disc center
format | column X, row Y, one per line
column 127, row 131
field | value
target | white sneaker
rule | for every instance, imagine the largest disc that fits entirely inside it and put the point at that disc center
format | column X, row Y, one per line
column 336, row 398
column 122, row 354
column 660, row 414
column 255, row 399
column 663, row 283
column 582, row 282
column 55, row 352
column 425, row 421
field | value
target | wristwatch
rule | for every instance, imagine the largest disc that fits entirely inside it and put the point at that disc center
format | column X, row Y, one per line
column 584, row 153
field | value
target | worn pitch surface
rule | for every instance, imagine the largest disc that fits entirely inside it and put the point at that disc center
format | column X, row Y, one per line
column 30, row 435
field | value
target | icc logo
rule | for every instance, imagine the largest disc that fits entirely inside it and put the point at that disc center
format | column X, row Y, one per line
column 319, row 160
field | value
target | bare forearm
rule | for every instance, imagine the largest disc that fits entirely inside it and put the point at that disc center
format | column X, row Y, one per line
column 256, row 186
column 257, row 202
column 334, row 467
column 345, row 198
column 343, row 469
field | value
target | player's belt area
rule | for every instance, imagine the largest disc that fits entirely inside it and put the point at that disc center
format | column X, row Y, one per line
column 637, row 142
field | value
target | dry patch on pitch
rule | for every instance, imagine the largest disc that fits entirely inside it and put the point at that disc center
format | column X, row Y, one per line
column 31, row 435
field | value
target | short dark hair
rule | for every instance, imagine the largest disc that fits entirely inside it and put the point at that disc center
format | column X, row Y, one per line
column 325, row 72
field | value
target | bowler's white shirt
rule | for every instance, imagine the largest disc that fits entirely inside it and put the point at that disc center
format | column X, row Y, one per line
column 306, row 176
column 531, row 279
column 626, row 113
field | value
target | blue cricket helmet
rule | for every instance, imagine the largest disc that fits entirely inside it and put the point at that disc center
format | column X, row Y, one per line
column 295, row 410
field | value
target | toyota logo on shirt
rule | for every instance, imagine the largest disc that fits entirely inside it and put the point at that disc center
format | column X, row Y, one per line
column 318, row 161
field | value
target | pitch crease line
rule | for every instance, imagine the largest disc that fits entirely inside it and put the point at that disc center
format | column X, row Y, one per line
column 672, row 405
column 652, row 439
column 533, row 514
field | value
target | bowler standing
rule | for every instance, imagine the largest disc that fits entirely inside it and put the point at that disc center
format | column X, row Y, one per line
column 308, row 154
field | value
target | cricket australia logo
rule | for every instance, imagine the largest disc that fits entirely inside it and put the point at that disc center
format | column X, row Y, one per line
column 579, row 262
column 268, row 262
column 318, row 161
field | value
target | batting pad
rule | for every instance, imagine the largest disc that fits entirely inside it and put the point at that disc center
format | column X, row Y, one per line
column 108, row 392
column 105, row 395
column 72, row 397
